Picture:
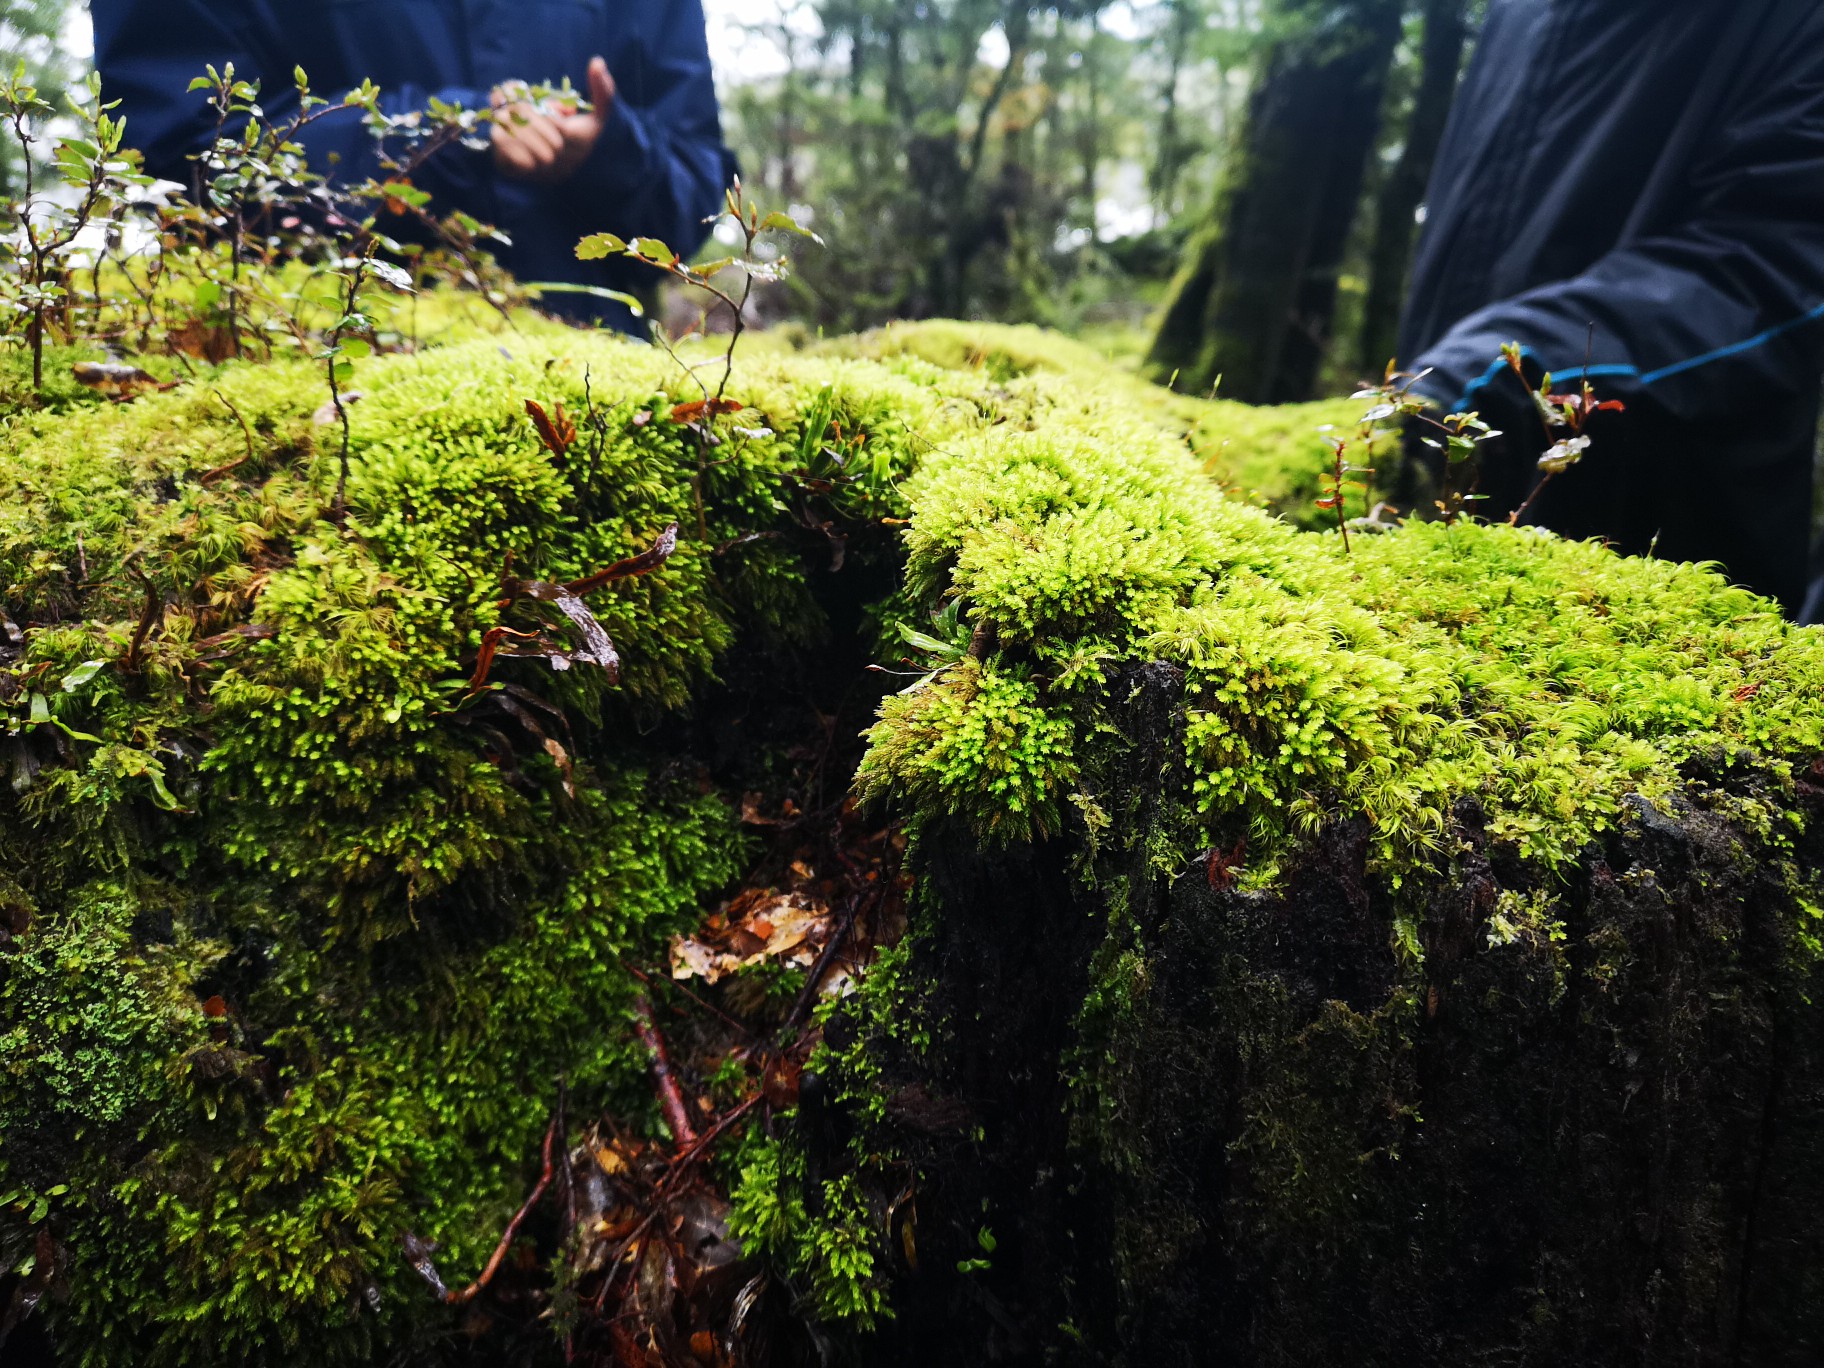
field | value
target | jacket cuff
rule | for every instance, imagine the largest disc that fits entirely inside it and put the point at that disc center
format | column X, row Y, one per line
column 621, row 163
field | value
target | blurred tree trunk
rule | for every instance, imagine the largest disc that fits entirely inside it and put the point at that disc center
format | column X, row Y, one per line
column 1090, row 129
column 1396, row 217
column 31, row 32
column 1255, row 299
column 1169, row 155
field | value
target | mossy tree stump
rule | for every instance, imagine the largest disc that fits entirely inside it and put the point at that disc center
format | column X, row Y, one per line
column 1389, row 956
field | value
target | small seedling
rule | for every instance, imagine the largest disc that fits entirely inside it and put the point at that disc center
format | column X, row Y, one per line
column 1564, row 418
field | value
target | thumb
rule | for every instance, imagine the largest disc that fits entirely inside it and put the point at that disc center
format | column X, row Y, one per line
column 601, row 87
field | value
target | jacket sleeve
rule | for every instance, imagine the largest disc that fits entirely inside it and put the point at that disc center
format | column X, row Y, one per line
column 1700, row 317
column 660, row 167
column 148, row 52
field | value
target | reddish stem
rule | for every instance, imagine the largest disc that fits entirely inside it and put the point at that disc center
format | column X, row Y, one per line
column 473, row 1290
column 671, row 1096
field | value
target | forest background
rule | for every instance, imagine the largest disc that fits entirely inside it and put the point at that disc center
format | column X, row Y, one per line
column 1206, row 188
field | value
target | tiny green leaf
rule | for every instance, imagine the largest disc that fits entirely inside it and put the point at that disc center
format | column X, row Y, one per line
column 388, row 274
column 82, row 674
column 599, row 246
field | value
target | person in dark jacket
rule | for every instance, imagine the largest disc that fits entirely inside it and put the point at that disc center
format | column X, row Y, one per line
column 648, row 161
column 1634, row 192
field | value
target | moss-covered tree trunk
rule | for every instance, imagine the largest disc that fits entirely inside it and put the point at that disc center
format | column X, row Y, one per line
column 1247, row 1129
column 1405, row 954
column 1396, row 213
column 1255, row 300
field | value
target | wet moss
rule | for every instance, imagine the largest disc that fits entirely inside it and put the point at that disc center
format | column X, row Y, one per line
column 305, row 926
column 1414, row 903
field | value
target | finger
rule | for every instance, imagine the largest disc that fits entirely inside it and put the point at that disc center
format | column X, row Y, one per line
column 510, row 156
column 545, row 137
column 601, row 86
column 580, row 131
column 514, row 151
column 537, row 140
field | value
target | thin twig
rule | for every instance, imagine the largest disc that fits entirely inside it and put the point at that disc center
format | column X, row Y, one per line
column 801, row 1008
column 210, row 476
column 335, row 390
column 474, row 1289
column 708, row 1138
column 707, row 1006
column 148, row 615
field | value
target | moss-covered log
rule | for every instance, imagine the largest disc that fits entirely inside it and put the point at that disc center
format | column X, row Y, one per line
column 1405, row 956
column 1320, row 956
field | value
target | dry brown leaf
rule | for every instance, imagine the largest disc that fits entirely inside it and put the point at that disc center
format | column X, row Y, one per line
column 770, row 926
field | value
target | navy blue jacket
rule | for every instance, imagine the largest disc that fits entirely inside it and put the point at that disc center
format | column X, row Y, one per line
column 1654, row 168
column 658, row 171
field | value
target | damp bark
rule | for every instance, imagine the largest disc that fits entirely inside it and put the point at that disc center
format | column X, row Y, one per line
column 1245, row 1128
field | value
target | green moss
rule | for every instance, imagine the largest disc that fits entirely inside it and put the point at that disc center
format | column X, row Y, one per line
column 1272, row 457
column 315, row 926
column 1164, row 684
column 831, row 1254
column 250, row 776
column 1548, row 679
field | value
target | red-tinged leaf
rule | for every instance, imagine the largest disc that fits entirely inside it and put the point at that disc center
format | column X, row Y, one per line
column 1327, row 503
column 1225, row 864
column 555, row 430
column 211, row 342
column 1746, row 692
column 401, row 197
column 1611, row 406
column 653, row 250
column 781, row 1083
column 701, row 408
column 643, row 564
column 490, row 647
column 215, row 1007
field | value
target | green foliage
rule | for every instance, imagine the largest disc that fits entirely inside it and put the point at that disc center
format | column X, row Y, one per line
column 1547, row 679
column 833, row 1256
column 966, row 153
column 31, row 31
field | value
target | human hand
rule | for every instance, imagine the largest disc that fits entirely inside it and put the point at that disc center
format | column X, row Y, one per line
column 546, row 148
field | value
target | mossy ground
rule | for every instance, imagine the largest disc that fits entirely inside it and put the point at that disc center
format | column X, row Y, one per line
column 305, row 927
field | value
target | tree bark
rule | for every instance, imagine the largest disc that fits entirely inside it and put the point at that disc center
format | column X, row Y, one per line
column 1396, row 218
column 1168, row 157
column 1255, row 302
